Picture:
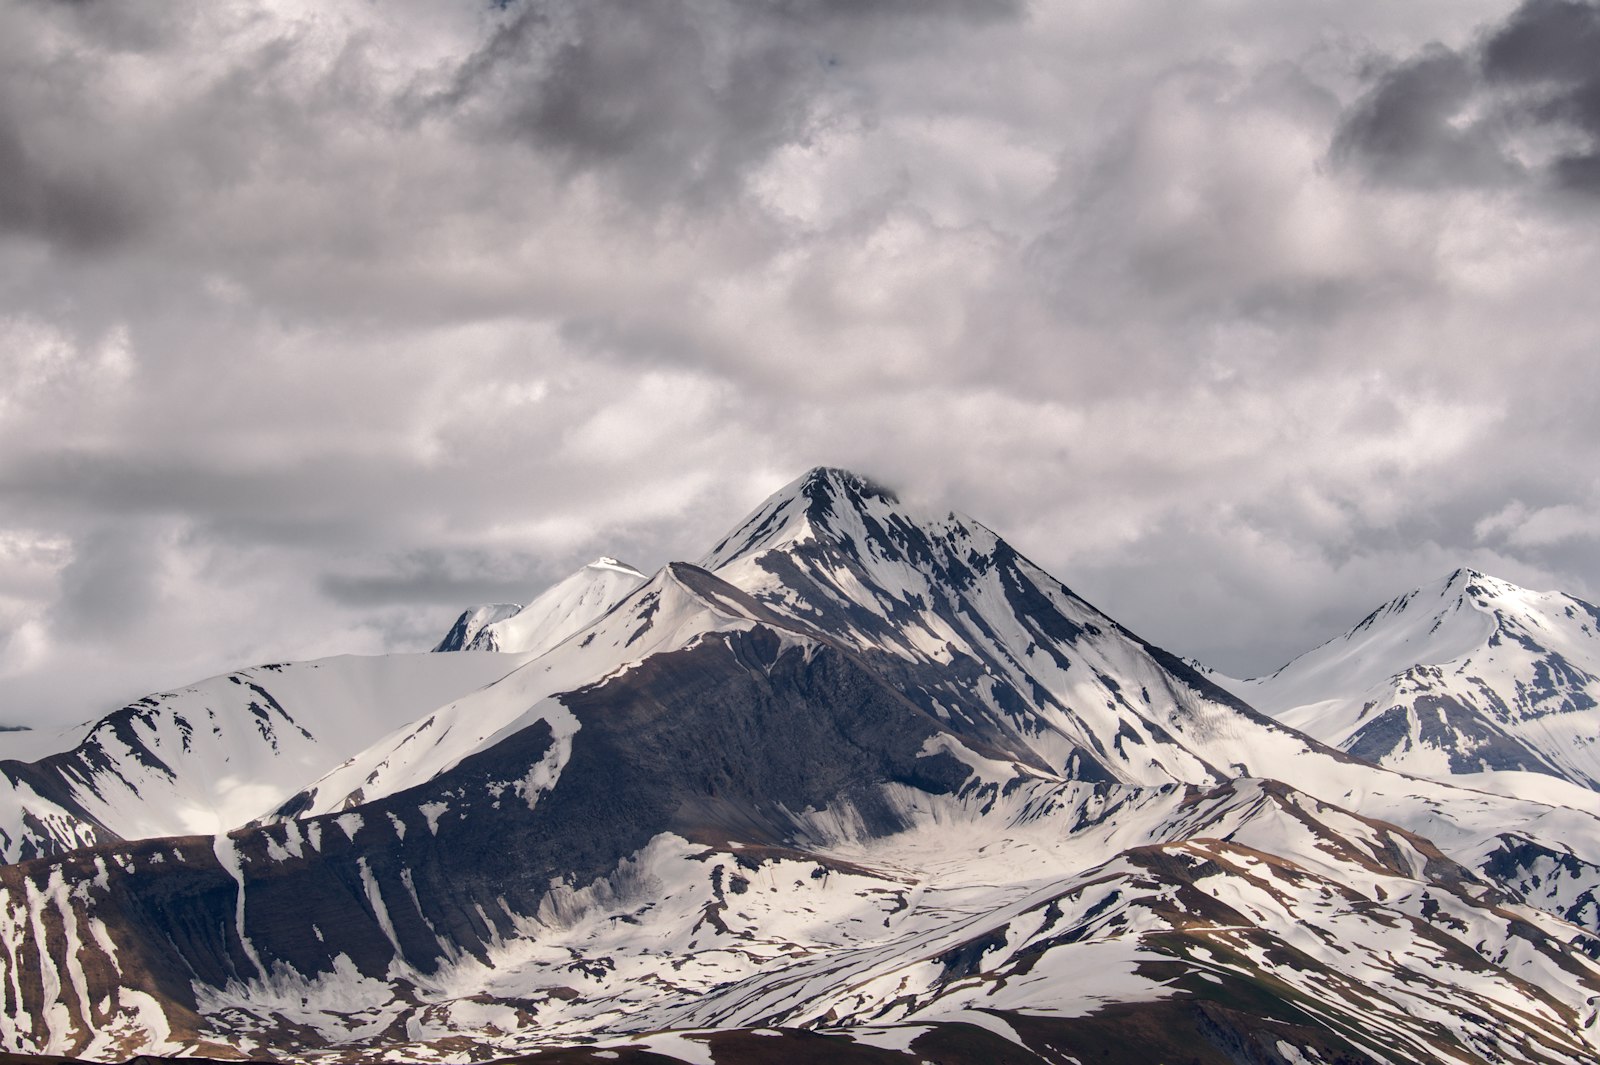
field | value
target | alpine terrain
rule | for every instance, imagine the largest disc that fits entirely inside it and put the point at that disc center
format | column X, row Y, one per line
column 859, row 784
column 1467, row 676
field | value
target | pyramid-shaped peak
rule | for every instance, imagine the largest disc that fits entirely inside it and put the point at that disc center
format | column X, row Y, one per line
column 833, row 480
column 821, row 489
column 1461, row 585
column 814, row 503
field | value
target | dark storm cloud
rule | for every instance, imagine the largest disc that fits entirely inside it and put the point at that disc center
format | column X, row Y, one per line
column 1546, row 41
column 635, row 89
column 119, row 26
column 676, row 99
column 1444, row 117
column 1553, row 48
column 121, row 123
column 59, row 183
column 83, row 208
column 1408, row 128
column 244, row 504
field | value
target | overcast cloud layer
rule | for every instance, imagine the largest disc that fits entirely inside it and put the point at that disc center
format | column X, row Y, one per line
column 321, row 321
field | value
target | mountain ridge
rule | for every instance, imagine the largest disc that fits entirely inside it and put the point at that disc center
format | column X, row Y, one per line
column 1463, row 676
column 867, row 775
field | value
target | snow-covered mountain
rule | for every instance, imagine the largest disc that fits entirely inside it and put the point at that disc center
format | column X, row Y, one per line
column 224, row 751
column 1469, row 675
column 556, row 614
column 864, row 784
column 213, row 755
column 987, row 641
column 677, row 609
column 473, row 621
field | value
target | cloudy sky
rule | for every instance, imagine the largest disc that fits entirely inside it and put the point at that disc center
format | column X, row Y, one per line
column 322, row 320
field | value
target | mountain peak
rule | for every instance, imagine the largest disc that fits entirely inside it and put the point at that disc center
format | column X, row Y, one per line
column 1473, row 582
column 824, row 489
column 474, row 620
column 557, row 613
column 799, row 511
column 976, row 789
column 1464, row 588
column 606, row 562
column 825, row 481
column 1465, row 674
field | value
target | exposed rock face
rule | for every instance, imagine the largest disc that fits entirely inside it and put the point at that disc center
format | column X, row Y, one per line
column 213, row 755
column 730, row 738
column 866, row 779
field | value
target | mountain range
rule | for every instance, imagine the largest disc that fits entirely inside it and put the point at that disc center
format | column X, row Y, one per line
column 1464, row 677
column 862, row 783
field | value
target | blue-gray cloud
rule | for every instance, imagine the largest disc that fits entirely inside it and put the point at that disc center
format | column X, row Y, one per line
column 1454, row 116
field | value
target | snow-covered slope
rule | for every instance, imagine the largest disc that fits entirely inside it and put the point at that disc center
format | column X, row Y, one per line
column 985, row 639
column 213, row 755
column 1468, row 675
column 665, row 614
column 1197, row 879
column 555, row 615
column 472, row 621
column 987, row 644
column 867, row 774
column 1003, row 653
column 1052, row 915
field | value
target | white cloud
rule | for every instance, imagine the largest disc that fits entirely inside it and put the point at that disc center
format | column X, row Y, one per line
column 1517, row 526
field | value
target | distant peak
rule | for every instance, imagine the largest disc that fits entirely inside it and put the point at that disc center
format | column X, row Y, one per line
column 607, row 562
column 474, row 620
